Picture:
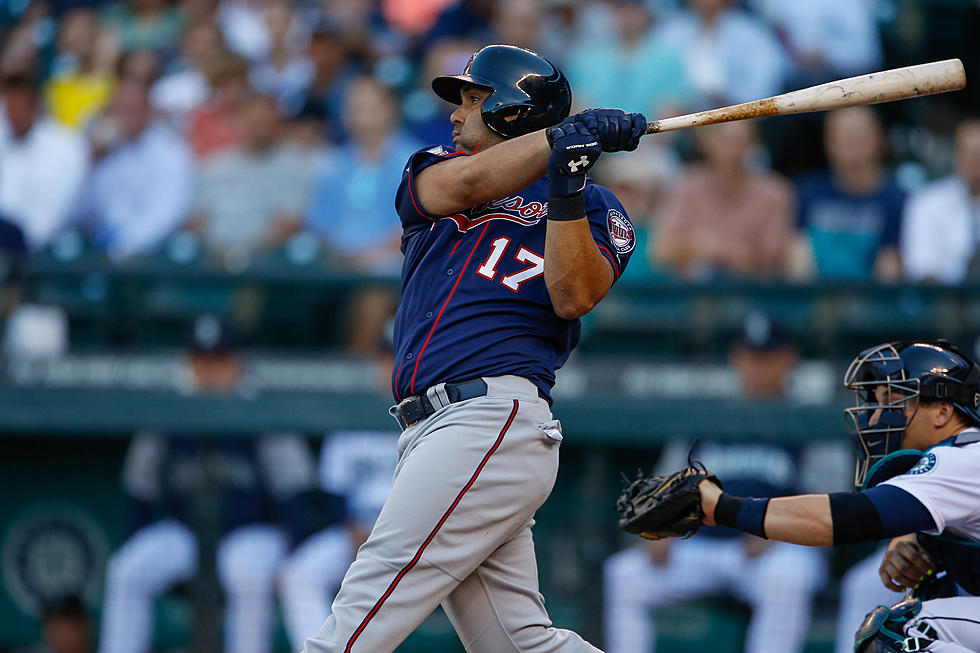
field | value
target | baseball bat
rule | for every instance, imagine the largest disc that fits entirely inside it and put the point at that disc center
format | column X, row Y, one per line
column 873, row 88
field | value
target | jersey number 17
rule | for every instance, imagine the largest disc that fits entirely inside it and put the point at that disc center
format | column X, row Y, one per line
column 524, row 255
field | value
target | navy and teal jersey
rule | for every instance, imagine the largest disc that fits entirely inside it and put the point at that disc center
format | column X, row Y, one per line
column 847, row 230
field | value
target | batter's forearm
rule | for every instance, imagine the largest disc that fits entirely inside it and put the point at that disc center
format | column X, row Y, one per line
column 462, row 182
column 576, row 274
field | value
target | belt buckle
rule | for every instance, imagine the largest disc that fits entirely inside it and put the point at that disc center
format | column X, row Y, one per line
column 399, row 408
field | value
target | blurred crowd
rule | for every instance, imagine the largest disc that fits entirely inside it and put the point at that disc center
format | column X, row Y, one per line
column 230, row 130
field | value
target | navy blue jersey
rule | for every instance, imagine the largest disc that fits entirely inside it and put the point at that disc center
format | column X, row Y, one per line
column 267, row 479
column 474, row 302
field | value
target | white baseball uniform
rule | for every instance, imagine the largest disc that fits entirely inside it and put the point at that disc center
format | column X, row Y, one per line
column 356, row 465
column 165, row 474
column 946, row 480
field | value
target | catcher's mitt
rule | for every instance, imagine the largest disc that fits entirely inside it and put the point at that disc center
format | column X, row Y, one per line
column 664, row 506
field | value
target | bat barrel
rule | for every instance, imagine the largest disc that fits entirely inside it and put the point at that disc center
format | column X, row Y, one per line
column 873, row 88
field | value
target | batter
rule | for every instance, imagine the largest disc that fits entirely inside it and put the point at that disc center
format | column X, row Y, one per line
column 506, row 245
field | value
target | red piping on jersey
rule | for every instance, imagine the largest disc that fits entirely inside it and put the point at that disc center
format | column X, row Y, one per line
column 418, row 359
column 411, row 190
column 612, row 259
column 418, row 554
column 453, row 250
column 395, row 384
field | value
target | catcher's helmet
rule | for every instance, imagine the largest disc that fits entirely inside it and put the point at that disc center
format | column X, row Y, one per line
column 529, row 92
column 908, row 370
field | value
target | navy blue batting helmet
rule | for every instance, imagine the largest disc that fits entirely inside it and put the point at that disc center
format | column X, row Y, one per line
column 931, row 371
column 528, row 91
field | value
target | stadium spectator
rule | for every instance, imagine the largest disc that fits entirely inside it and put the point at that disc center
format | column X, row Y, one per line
column 199, row 12
column 777, row 580
column 144, row 25
column 640, row 181
column 42, row 164
column 332, row 74
column 139, row 67
column 66, row 627
column 214, row 126
column 140, row 188
column 286, row 70
column 366, row 35
column 827, row 40
column 517, row 22
column 850, row 216
column 724, row 217
column 637, row 69
column 184, row 86
column 730, row 56
column 567, row 21
column 351, row 204
column 424, row 112
column 355, row 471
column 252, row 494
column 306, row 132
column 414, row 17
column 81, row 80
column 941, row 229
column 242, row 24
column 467, row 19
column 252, row 197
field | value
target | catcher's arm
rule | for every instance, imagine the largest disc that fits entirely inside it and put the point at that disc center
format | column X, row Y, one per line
column 803, row 519
column 821, row 519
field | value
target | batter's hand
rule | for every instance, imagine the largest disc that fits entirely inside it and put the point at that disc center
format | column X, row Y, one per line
column 905, row 564
column 574, row 149
column 615, row 129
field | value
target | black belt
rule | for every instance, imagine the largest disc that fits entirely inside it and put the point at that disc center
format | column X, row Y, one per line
column 414, row 409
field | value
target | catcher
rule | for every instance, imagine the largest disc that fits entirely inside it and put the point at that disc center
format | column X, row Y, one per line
column 915, row 428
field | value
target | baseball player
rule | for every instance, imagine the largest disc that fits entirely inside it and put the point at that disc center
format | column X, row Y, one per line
column 777, row 580
column 915, row 427
column 507, row 243
column 256, row 488
column 355, row 466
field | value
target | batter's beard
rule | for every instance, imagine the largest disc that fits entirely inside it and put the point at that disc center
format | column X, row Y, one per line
column 463, row 147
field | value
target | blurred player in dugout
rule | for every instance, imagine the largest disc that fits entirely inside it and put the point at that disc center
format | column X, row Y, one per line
column 356, row 470
column 775, row 579
column 252, row 494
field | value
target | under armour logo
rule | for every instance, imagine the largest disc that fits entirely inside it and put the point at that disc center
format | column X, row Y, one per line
column 575, row 165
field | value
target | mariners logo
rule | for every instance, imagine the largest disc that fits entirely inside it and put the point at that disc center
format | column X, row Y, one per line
column 52, row 550
column 621, row 232
column 925, row 464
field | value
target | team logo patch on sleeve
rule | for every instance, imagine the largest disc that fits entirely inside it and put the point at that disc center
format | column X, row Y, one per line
column 925, row 464
column 621, row 232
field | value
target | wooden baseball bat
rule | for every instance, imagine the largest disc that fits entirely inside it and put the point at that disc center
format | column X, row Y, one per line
column 873, row 88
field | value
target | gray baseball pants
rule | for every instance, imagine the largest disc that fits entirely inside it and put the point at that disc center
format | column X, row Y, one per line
column 456, row 531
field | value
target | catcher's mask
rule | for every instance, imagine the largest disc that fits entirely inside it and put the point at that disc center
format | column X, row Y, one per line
column 907, row 372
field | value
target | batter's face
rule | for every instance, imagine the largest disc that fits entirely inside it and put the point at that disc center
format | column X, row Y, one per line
column 470, row 133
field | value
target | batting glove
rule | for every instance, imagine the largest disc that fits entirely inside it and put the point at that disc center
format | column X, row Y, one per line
column 574, row 149
column 615, row 129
